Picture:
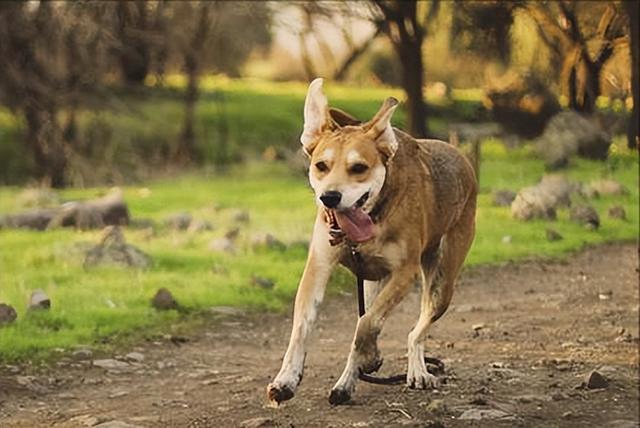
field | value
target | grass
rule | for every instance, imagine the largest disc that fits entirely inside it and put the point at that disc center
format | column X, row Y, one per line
column 91, row 305
column 103, row 306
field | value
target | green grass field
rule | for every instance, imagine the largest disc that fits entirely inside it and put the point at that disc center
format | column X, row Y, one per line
column 102, row 307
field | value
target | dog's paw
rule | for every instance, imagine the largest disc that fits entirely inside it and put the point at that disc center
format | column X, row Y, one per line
column 422, row 380
column 339, row 396
column 277, row 393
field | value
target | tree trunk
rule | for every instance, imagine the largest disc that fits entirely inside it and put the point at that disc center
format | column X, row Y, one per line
column 632, row 9
column 134, row 57
column 186, row 146
column 45, row 140
column 410, row 54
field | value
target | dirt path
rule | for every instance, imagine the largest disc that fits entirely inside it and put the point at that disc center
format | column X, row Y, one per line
column 539, row 328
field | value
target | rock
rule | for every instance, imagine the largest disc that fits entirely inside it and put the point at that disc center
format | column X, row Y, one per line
column 232, row 234
column 222, row 245
column 478, row 414
column 82, row 354
column 542, row 200
column 608, row 187
column 586, row 215
column 198, row 225
column 257, row 422
column 37, row 219
column 7, row 314
column 111, row 364
column 569, row 133
column 261, row 282
column 116, row 424
column 109, row 210
column 618, row 212
column 178, row 221
column 39, row 300
column 553, row 235
column 241, row 216
column 478, row 327
column 268, row 241
column 135, row 357
column 594, row 380
column 38, row 198
column 163, row 300
column 437, row 406
column 225, row 310
column 503, row 197
column 605, row 295
column 114, row 251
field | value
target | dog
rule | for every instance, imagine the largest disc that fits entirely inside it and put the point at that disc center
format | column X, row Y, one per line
column 406, row 205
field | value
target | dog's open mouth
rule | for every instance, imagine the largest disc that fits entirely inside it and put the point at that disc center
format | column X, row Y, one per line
column 355, row 222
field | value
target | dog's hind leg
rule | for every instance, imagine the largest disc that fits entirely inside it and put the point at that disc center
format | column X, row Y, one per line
column 440, row 267
column 364, row 346
column 322, row 258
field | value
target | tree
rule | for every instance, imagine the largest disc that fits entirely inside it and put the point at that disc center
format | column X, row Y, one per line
column 561, row 27
column 631, row 8
column 404, row 23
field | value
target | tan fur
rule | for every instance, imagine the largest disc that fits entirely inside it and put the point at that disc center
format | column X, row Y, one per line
column 425, row 222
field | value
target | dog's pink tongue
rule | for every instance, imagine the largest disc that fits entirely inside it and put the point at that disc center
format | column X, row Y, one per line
column 356, row 224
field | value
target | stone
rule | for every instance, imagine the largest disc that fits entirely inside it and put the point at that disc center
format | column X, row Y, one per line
column 477, row 414
column 135, row 357
column 608, row 187
column 198, row 225
column 594, row 380
column 163, row 300
column 116, row 424
column 617, row 212
column 503, row 197
column 585, row 215
column 241, row 216
column 39, row 300
column 553, row 235
column 542, row 200
column 113, row 250
column 605, row 295
column 225, row 311
column 222, row 245
column 478, row 327
column 257, row 422
column 7, row 314
column 269, row 241
column 264, row 283
column 178, row 221
column 111, row 364
column 82, row 354
column 232, row 234
column 569, row 133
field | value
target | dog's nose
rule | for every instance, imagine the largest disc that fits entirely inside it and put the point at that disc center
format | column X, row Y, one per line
column 331, row 199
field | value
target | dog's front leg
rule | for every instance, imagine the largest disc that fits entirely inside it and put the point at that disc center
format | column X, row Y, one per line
column 321, row 259
column 364, row 348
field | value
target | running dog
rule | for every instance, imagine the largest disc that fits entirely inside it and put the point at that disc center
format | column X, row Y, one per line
column 407, row 206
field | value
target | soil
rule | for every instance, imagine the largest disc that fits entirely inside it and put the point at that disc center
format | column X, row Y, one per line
column 517, row 343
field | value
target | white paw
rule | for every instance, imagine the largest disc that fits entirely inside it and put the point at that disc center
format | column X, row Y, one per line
column 419, row 378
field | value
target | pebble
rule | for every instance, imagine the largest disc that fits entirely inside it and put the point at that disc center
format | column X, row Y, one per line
column 39, row 300
column 242, row 216
column 7, row 314
column 477, row 414
column 134, row 356
column 594, row 380
column 605, row 295
column 257, row 422
column 163, row 300
column 110, row 364
column 264, row 283
column 82, row 354
column 477, row 327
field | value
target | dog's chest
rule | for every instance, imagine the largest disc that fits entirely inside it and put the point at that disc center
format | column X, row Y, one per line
column 369, row 265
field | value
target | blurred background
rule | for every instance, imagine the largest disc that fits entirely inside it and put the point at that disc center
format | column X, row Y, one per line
column 116, row 92
column 178, row 123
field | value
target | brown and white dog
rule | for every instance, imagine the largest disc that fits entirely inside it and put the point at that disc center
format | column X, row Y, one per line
column 408, row 206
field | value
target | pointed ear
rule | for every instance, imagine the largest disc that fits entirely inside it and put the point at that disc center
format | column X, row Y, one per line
column 379, row 128
column 316, row 115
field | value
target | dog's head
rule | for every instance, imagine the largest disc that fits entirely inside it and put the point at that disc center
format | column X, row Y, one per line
column 348, row 159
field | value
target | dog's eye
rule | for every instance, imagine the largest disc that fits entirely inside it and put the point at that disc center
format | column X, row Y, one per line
column 358, row 168
column 322, row 167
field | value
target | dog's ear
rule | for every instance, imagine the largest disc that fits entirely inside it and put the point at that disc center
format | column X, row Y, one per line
column 379, row 128
column 316, row 116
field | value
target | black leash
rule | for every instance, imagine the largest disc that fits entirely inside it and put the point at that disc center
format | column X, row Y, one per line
column 337, row 237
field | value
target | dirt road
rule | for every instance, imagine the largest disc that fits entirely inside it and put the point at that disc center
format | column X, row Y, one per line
column 517, row 343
